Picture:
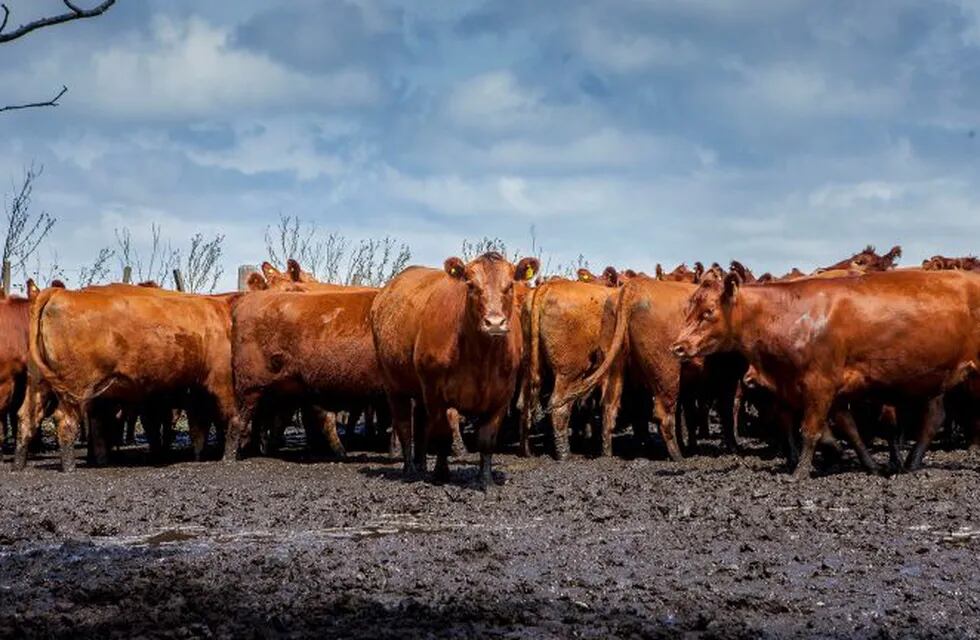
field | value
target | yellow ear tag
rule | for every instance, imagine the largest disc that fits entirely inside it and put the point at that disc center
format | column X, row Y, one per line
column 529, row 273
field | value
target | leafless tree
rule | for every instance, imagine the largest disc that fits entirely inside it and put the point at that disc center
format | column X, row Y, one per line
column 375, row 262
column 291, row 238
column 473, row 249
column 98, row 271
column 158, row 266
column 202, row 268
column 44, row 274
column 74, row 13
column 25, row 231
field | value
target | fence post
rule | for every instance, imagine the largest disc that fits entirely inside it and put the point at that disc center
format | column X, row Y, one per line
column 127, row 274
column 244, row 271
column 178, row 280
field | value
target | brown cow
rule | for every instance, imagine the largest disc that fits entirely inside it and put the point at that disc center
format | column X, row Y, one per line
column 681, row 273
column 649, row 313
column 14, row 319
column 939, row 263
column 565, row 340
column 451, row 339
column 867, row 260
column 114, row 346
column 309, row 350
column 898, row 337
column 609, row 278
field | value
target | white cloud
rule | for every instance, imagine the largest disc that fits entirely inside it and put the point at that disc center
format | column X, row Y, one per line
column 495, row 101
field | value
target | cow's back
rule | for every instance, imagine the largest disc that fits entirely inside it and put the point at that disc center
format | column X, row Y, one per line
column 572, row 318
column 322, row 340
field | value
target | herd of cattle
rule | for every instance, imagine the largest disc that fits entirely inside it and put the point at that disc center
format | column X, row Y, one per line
column 858, row 350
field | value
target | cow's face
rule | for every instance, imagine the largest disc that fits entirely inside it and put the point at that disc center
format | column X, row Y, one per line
column 708, row 324
column 490, row 281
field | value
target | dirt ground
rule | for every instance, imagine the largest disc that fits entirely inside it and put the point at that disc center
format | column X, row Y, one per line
column 717, row 546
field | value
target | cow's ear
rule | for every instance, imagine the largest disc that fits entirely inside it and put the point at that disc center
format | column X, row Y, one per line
column 526, row 269
column 454, row 267
column 57, row 284
column 269, row 271
column 294, row 271
column 32, row 289
column 256, row 282
column 732, row 283
column 611, row 276
column 584, row 275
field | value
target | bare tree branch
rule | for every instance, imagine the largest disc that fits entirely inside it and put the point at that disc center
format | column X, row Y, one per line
column 25, row 231
column 53, row 102
column 203, row 268
column 75, row 13
column 163, row 258
column 98, row 271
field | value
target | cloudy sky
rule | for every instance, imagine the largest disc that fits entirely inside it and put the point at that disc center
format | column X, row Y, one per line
column 779, row 132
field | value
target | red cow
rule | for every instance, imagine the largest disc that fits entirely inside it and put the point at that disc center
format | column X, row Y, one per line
column 451, row 339
column 898, row 337
column 103, row 348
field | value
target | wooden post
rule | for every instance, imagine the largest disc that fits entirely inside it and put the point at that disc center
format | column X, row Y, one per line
column 127, row 274
column 6, row 277
column 244, row 271
column 178, row 280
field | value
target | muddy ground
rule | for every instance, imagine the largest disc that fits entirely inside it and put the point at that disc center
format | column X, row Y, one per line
column 718, row 546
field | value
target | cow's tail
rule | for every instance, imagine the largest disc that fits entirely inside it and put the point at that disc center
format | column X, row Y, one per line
column 580, row 388
column 38, row 355
column 534, row 355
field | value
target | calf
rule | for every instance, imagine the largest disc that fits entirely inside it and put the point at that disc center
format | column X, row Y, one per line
column 899, row 337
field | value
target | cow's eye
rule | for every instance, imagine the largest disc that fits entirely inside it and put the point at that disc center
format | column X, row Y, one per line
column 706, row 315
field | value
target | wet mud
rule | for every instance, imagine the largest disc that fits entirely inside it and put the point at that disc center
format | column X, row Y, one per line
column 716, row 546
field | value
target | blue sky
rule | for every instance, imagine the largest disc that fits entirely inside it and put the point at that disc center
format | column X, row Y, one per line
column 779, row 132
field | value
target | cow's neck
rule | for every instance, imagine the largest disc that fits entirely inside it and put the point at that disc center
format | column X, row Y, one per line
column 760, row 329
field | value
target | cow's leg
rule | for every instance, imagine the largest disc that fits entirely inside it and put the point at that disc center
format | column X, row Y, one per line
column 560, row 417
column 101, row 428
column 527, row 424
column 458, row 447
column 152, row 428
column 612, row 395
column 932, row 417
column 236, row 418
column 728, row 409
column 691, row 419
column 130, row 436
column 665, row 412
column 420, row 436
column 812, row 429
column 198, row 425
column 326, row 423
column 401, row 422
column 486, row 444
column 67, row 425
column 29, row 423
column 844, row 421
column 440, row 432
